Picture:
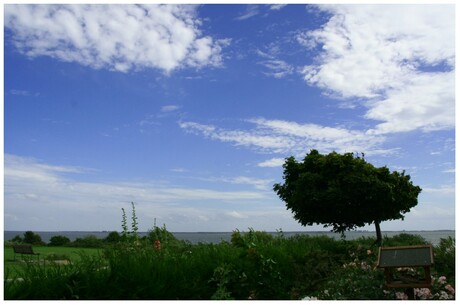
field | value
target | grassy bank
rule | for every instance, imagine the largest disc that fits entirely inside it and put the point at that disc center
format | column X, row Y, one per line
column 254, row 265
column 13, row 267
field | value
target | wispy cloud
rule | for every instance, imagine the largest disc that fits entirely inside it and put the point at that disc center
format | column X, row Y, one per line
column 115, row 37
column 277, row 7
column 32, row 187
column 22, row 93
column 401, row 62
column 275, row 66
column 250, row 11
column 273, row 162
column 257, row 183
column 169, row 108
column 285, row 137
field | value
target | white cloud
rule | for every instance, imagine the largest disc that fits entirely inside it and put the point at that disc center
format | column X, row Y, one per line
column 277, row 68
column 115, row 37
column 278, row 136
column 427, row 102
column 273, row 162
column 260, row 184
column 250, row 11
column 400, row 57
column 277, row 7
column 236, row 214
column 40, row 191
column 169, row 108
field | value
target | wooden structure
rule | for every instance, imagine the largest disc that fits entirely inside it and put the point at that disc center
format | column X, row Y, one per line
column 399, row 264
column 24, row 250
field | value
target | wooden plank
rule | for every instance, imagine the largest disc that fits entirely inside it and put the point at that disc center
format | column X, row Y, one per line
column 410, row 256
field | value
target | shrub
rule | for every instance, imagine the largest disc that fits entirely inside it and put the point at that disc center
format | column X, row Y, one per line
column 89, row 241
column 162, row 235
column 59, row 240
column 444, row 258
column 404, row 239
column 113, row 237
column 56, row 257
column 32, row 238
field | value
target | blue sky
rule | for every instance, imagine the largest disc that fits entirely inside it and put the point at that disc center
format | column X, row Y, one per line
column 189, row 111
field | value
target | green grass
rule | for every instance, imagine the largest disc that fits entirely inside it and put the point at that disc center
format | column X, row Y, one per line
column 14, row 267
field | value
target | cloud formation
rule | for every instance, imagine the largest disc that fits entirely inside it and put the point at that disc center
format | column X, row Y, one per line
column 285, row 137
column 33, row 187
column 398, row 58
column 114, row 37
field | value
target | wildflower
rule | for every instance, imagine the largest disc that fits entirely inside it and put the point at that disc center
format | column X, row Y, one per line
column 307, row 298
column 443, row 296
column 442, row 280
column 423, row 293
column 157, row 245
column 365, row 266
column 369, row 252
column 401, row 296
column 450, row 289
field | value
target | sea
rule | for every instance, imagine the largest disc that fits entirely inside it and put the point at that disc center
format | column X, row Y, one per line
column 432, row 237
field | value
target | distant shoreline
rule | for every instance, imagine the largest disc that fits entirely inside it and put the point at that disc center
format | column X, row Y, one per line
column 432, row 236
column 208, row 232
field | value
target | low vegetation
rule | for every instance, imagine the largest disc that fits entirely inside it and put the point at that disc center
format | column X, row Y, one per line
column 253, row 265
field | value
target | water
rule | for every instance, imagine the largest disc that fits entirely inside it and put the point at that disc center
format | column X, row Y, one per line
column 432, row 237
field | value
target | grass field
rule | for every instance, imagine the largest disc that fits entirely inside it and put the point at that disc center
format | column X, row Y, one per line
column 13, row 267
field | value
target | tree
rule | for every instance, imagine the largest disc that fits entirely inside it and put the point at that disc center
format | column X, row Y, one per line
column 59, row 240
column 113, row 237
column 344, row 191
column 32, row 238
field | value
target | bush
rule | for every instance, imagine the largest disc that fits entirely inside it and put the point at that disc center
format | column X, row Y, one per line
column 32, row 238
column 58, row 240
column 113, row 237
column 89, row 241
column 444, row 259
column 404, row 239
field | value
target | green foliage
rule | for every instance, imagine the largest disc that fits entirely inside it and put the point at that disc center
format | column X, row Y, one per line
column 254, row 265
column 88, row 241
column 32, row 238
column 17, row 239
column 113, row 237
column 404, row 239
column 444, row 259
column 161, row 234
column 59, row 240
column 134, row 224
column 57, row 257
column 129, row 235
column 344, row 191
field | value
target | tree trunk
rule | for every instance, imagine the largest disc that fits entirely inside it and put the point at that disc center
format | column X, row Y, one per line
column 378, row 242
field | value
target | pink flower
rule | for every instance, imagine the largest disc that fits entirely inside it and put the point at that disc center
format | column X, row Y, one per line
column 401, row 296
column 157, row 245
column 442, row 280
column 450, row 289
column 423, row 293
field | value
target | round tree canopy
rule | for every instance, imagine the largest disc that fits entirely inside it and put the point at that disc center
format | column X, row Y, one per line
column 344, row 191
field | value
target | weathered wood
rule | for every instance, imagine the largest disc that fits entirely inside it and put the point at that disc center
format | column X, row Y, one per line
column 400, row 259
column 24, row 250
column 409, row 256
